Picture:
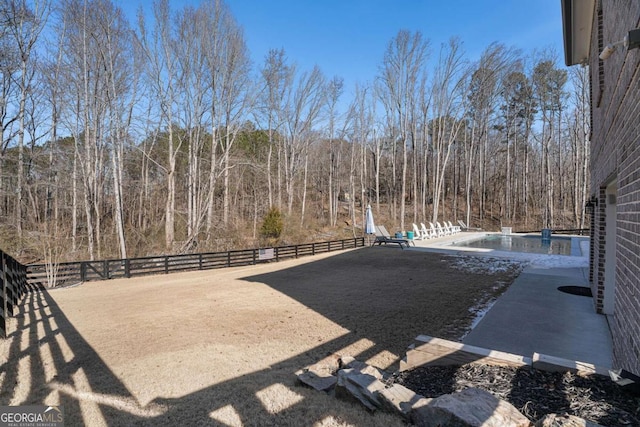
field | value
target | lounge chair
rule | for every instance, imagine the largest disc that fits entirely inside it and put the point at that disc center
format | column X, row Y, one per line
column 439, row 231
column 383, row 238
column 418, row 235
column 464, row 227
column 429, row 232
column 445, row 228
column 455, row 229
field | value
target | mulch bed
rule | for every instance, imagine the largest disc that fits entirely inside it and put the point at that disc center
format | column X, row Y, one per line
column 533, row 392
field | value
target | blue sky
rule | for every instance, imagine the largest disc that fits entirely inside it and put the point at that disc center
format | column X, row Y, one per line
column 348, row 37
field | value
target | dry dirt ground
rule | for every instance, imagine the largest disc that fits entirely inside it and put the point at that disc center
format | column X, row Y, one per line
column 221, row 347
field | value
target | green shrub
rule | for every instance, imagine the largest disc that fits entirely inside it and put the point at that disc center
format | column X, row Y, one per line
column 272, row 225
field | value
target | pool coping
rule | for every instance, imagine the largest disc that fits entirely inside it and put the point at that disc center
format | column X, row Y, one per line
column 575, row 248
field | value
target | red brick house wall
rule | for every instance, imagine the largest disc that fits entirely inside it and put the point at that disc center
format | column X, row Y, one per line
column 615, row 157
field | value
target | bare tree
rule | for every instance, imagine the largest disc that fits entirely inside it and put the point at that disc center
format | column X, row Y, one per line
column 193, row 85
column 304, row 103
column 401, row 72
column 548, row 84
column 24, row 22
column 9, row 94
column 112, row 150
column 334, row 92
column 97, row 45
column 84, row 118
column 228, row 67
column 449, row 107
column 276, row 80
column 580, row 141
column 162, row 76
column 360, row 123
column 487, row 85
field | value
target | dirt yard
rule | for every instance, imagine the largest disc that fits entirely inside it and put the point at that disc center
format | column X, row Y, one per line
column 221, row 347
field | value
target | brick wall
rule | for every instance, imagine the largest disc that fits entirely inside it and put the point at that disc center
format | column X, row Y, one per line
column 615, row 155
column 598, row 234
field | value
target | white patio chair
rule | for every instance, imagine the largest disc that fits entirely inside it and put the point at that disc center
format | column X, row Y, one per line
column 428, row 232
column 445, row 228
column 439, row 230
column 464, row 226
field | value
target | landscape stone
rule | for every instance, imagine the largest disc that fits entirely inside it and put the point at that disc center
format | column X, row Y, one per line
column 319, row 382
column 400, row 400
column 345, row 361
column 364, row 388
column 329, row 364
column 555, row 420
column 365, row 369
column 469, row 408
column 320, row 375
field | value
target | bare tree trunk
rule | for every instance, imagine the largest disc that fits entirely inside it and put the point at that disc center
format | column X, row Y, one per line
column 88, row 159
column 304, row 187
column 507, row 194
column 226, row 202
column 170, row 205
column 212, row 178
column 378, row 154
column 74, row 204
column 116, row 163
column 352, row 187
column 330, row 191
column 269, row 167
column 279, row 174
column 470, row 161
column 19, row 190
column 525, row 178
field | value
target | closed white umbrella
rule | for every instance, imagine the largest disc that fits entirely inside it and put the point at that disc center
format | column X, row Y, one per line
column 370, row 227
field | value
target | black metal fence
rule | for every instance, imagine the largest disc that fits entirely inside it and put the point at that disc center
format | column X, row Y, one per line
column 84, row 271
column 574, row 231
column 13, row 278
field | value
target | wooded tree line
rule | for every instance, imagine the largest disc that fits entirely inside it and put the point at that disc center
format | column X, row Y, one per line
column 123, row 138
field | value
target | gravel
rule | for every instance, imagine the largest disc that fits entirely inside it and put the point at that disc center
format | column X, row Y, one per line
column 533, row 392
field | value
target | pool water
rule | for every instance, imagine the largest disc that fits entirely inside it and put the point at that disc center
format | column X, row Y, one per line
column 528, row 244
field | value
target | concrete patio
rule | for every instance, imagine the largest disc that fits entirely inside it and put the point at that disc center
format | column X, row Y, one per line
column 533, row 315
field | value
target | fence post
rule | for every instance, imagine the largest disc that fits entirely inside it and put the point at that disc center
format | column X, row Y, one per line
column 200, row 261
column 127, row 268
column 83, row 272
column 105, row 269
column 277, row 253
column 3, row 277
column 166, row 265
column 254, row 256
column 296, row 251
column 21, row 283
column 313, row 248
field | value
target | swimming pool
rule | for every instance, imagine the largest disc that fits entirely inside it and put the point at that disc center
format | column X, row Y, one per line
column 528, row 244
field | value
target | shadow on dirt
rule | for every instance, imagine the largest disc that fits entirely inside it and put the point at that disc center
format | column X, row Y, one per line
column 383, row 295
